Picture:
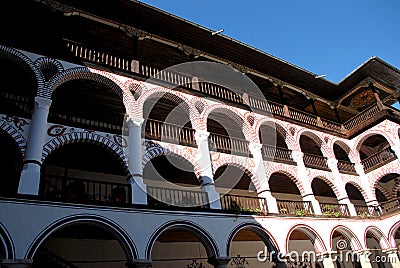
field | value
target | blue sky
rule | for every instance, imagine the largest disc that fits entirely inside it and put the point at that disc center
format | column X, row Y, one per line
column 324, row 37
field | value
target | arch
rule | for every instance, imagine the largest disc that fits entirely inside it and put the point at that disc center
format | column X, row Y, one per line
column 280, row 129
column 326, row 152
column 115, row 146
column 289, row 172
column 263, row 234
column 378, row 235
column 349, row 235
column 330, row 183
column 201, row 234
column 7, row 242
column 346, row 148
column 319, row 245
column 382, row 173
column 98, row 76
column 233, row 114
column 246, row 167
column 173, row 96
column 13, row 132
column 136, row 88
column 16, row 56
column 383, row 191
column 154, row 150
column 360, row 140
column 125, row 240
column 359, row 188
column 44, row 63
column 392, row 233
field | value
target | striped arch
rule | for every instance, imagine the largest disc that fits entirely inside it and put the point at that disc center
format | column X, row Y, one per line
column 14, row 134
column 355, row 244
column 280, row 129
column 378, row 235
column 396, row 188
column 259, row 230
column 289, row 171
column 379, row 175
column 123, row 237
column 342, row 144
column 236, row 115
column 154, row 150
column 392, row 233
column 359, row 188
column 387, row 195
column 314, row 237
column 7, row 242
column 200, row 233
column 135, row 87
column 360, row 139
column 176, row 97
column 199, row 103
column 95, row 75
column 327, row 152
column 246, row 166
column 44, row 63
column 328, row 179
column 17, row 57
column 88, row 137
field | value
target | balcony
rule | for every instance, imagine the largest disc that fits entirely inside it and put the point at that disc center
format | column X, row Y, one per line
column 243, row 204
column 224, row 144
column 295, row 208
column 277, row 154
column 334, row 210
column 186, row 82
column 379, row 159
column 315, row 161
column 346, row 167
column 161, row 131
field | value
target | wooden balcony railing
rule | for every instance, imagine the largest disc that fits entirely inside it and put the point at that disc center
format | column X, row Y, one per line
column 303, row 117
column 367, row 211
column 390, row 206
column 219, row 92
column 277, row 154
column 379, row 159
column 226, row 144
column 315, row 161
column 131, row 65
column 244, row 204
column 163, row 131
column 111, row 124
column 265, row 106
column 163, row 197
column 346, row 167
column 295, row 208
column 361, row 117
column 334, row 210
column 84, row 190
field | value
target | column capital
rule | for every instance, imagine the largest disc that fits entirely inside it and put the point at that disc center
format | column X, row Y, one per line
column 359, row 168
column 132, row 121
column 254, row 146
column 332, row 161
column 43, row 102
column 297, row 155
column 201, row 135
column 219, row 261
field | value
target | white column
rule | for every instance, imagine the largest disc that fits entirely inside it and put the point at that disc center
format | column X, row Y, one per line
column 364, row 259
column 206, row 171
column 259, row 170
column 219, row 262
column 392, row 257
column 327, row 261
column 135, row 154
column 396, row 149
column 309, row 195
column 365, row 184
column 30, row 175
column 343, row 199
